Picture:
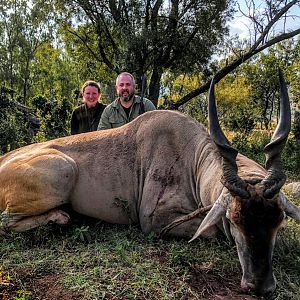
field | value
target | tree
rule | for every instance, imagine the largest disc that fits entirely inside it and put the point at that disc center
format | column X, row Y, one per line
column 33, row 64
column 176, row 36
column 24, row 29
column 262, row 76
column 294, row 75
column 263, row 36
column 54, row 74
column 150, row 36
column 174, row 86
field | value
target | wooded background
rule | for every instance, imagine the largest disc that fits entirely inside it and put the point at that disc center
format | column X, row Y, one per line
column 49, row 48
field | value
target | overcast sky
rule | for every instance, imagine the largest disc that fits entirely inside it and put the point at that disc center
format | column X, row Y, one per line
column 239, row 24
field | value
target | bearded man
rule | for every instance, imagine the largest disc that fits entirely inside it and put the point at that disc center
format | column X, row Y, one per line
column 127, row 106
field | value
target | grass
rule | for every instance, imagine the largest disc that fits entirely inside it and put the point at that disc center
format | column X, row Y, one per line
column 95, row 260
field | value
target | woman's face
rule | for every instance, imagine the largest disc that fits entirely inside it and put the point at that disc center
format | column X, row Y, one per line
column 91, row 95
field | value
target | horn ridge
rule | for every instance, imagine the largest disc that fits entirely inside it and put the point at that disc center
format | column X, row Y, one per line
column 215, row 129
column 230, row 179
column 276, row 177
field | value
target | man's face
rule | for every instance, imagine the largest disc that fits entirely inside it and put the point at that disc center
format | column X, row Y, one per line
column 125, row 87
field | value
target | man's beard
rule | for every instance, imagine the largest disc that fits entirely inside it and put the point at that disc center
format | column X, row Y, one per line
column 126, row 98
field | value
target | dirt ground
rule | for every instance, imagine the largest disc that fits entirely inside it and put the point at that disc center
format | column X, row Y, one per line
column 50, row 287
column 217, row 288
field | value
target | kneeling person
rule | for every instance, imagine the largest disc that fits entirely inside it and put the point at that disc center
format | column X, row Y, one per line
column 127, row 106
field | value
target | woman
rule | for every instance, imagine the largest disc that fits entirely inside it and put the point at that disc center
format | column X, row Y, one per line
column 86, row 117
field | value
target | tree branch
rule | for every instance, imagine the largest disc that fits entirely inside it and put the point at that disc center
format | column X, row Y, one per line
column 272, row 22
column 232, row 66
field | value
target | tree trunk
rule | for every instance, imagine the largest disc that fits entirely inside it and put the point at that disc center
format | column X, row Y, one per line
column 154, row 85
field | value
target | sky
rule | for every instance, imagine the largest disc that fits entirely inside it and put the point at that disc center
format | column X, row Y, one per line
column 239, row 24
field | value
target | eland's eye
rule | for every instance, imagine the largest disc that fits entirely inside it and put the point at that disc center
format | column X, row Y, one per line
column 228, row 217
column 228, row 214
column 285, row 216
column 284, row 220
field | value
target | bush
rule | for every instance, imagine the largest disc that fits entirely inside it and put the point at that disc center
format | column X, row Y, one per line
column 292, row 151
column 291, row 158
column 252, row 145
column 241, row 121
column 14, row 124
column 296, row 126
column 55, row 116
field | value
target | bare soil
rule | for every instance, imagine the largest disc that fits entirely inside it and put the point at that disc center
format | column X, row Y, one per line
column 41, row 287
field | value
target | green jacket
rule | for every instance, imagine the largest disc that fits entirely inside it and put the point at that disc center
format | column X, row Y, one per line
column 114, row 115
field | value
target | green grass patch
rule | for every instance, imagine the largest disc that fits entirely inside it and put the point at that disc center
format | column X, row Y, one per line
column 95, row 260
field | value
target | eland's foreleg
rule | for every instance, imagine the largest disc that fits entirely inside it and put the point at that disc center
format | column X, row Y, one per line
column 15, row 222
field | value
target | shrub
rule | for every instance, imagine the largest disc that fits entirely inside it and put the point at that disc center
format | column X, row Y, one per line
column 252, row 145
column 291, row 155
column 296, row 126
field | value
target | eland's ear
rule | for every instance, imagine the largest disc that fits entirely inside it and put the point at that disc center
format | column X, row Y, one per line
column 214, row 216
column 290, row 208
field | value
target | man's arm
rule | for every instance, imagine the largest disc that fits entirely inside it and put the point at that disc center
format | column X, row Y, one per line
column 104, row 121
column 148, row 105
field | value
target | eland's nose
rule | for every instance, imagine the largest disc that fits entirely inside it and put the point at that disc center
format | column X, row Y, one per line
column 247, row 287
column 260, row 289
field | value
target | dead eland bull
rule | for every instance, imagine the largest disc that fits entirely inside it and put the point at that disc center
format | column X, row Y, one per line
column 156, row 170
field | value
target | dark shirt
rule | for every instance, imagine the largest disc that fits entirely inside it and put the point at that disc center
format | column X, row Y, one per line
column 86, row 119
column 127, row 110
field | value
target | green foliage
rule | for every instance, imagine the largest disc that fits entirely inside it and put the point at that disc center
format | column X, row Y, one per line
column 181, row 256
column 249, row 97
column 30, row 65
column 294, row 77
column 24, row 28
column 13, row 124
column 197, row 109
column 240, row 119
column 55, row 116
column 296, row 126
column 82, row 234
column 17, row 128
column 176, row 86
column 156, row 38
column 54, row 73
column 252, row 144
column 237, row 110
column 292, row 150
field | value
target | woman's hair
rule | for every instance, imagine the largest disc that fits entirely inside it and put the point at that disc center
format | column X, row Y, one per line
column 90, row 83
